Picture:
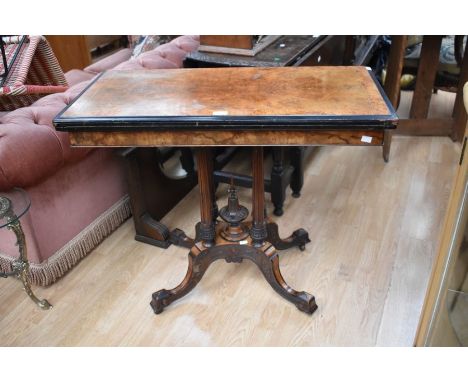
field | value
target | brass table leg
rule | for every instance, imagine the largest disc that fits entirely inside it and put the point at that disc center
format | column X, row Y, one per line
column 21, row 265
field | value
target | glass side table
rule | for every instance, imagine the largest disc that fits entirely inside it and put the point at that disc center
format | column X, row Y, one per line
column 13, row 205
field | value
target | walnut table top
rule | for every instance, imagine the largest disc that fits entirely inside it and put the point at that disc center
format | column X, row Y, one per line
column 230, row 106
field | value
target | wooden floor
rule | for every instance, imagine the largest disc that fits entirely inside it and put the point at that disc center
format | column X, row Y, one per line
column 374, row 230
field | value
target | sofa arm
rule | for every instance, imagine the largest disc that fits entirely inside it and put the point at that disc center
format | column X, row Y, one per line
column 30, row 148
column 165, row 56
column 109, row 62
column 28, row 152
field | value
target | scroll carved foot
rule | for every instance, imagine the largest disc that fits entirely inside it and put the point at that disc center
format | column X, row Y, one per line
column 160, row 300
column 196, row 268
column 269, row 265
column 179, row 238
column 299, row 238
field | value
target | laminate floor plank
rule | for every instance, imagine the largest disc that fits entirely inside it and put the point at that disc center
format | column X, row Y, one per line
column 374, row 229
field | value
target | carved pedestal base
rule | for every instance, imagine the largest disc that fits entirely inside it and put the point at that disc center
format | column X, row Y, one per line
column 233, row 240
column 265, row 257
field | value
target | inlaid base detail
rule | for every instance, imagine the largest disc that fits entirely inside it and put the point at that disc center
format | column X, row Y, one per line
column 266, row 259
column 299, row 238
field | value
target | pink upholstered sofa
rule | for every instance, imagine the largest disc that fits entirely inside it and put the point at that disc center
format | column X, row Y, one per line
column 78, row 195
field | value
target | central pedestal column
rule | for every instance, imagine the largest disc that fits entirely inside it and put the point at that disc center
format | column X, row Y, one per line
column 233, row 241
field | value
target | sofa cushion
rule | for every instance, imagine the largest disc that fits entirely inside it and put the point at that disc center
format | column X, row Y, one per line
column 30, row 147
column 187, row 43
column 172, row 52
column 29, row 156
column 75, row 76
column 151, row 60
column 109, row 62
column 166, row 56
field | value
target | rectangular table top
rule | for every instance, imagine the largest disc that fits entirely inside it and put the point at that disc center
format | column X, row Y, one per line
column 231, row 99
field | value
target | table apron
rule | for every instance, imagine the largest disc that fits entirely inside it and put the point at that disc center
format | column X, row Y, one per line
column 229, row 138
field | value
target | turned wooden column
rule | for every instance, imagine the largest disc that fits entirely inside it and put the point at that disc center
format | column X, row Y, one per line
column 278, row 186
column 205, row 182
column 258, row 231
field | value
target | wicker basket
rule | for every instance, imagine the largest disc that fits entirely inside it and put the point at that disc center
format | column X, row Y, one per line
column 33, row 71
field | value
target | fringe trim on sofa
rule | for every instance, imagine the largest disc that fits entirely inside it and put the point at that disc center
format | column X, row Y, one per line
column 81, row 245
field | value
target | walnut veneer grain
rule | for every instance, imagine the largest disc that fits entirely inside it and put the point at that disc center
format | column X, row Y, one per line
column 302, row 91
column 227, row 138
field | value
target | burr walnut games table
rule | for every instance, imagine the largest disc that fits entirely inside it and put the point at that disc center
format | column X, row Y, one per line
column 213, row 107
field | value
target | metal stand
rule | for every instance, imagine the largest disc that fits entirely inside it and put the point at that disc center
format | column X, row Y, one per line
column 21, row 265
